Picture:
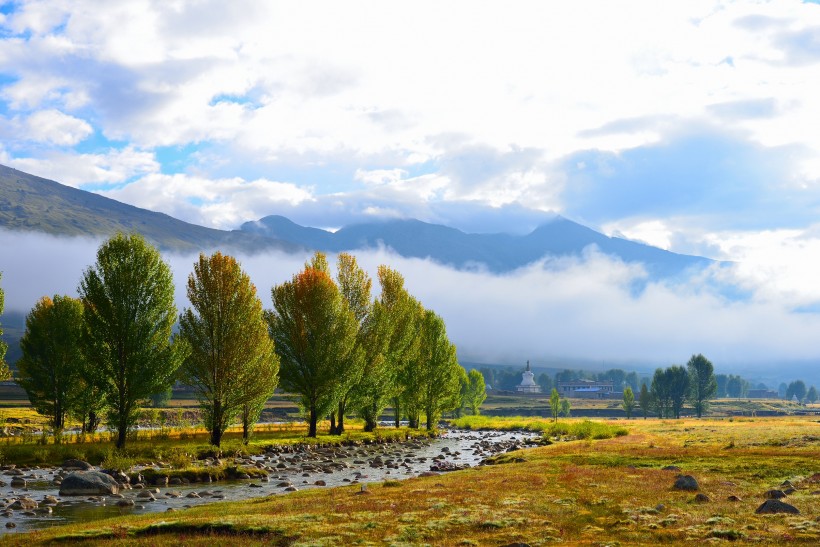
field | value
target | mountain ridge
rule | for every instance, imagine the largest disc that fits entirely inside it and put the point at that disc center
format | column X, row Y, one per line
column 32, row 203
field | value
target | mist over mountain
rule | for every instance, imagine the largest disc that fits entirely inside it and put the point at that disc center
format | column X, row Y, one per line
column 497, row 252
column 561, row 294
column 30, row 203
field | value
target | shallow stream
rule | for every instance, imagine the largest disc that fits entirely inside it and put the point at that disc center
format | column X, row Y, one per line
column 300, row 469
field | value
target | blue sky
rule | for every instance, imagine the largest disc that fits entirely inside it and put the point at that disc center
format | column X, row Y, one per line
column 688, row 125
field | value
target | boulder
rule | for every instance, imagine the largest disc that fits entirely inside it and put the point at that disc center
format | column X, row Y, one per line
column 701, row 498
column 774, row 494
column 77, row 465
column 686, row 482
column 18, row 482
column 88, row 483
column 24, row 503
column 776, row 506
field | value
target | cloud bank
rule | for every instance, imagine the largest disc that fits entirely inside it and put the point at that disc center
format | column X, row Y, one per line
column 575, row 309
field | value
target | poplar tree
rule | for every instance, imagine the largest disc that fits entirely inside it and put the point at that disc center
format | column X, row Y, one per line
column 313, row 330
column 354, row 286
column 438, row 370
column 476, row 392
column 232, row 364
column 5, row 373
column 645, row 401
column 390, row 333
column 555, row 404
column 51, row 367
column 702, row 383
column 628, row 402
column 129, row 313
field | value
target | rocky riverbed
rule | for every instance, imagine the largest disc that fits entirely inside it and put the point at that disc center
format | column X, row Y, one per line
column 30, row 497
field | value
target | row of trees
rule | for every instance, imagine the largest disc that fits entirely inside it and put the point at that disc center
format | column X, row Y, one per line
column 4, row 368
column 674, row 386
column 329, row 342
column 342, row 350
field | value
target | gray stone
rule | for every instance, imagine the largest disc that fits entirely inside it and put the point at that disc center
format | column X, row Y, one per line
column 77, row 465
column 774, row 494
column 701, row 498
column 88, row 483
column 776, row 506
column 24, row 503
column 18, row 482
column 686, row 482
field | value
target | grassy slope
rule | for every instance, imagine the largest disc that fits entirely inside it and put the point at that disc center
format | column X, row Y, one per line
column 582, row 492
column 29, row 203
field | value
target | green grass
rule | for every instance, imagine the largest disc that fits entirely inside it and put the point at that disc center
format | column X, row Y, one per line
column 566, row 428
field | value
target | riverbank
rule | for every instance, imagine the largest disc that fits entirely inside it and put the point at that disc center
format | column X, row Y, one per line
column 590, row 492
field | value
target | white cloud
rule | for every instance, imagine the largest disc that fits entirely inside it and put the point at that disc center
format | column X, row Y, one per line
column 55, row 127
column 584, row 308
column 113, row 167
column 220, row 203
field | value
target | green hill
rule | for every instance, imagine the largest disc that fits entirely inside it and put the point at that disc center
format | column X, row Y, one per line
column 30, row 203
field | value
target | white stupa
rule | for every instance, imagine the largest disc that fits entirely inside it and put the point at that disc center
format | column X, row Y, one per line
column 528, row 384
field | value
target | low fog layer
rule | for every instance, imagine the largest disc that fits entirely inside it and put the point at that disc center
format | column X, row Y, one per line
column 591, row 308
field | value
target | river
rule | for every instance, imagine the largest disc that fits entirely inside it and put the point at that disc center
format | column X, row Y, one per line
column 303, row 469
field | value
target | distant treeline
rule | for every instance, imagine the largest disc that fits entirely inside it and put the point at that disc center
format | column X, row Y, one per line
column 728, row 385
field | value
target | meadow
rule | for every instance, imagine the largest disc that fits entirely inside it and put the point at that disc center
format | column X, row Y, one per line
column 576, row 490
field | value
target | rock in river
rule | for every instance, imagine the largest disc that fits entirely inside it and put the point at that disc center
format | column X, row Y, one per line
column 88, row 483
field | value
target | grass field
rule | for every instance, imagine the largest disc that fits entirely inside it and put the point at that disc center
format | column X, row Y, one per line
column 611, row 491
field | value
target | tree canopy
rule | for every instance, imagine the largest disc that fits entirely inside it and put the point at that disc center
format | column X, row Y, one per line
column 5, row 373
column 232, row 364
column 313, row 330
column 52, row 364
column 702, row 383
column 129, row 313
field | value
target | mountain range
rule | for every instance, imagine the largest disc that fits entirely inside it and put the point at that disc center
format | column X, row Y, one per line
column 31, row 203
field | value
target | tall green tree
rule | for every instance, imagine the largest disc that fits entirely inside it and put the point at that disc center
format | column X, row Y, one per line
column 313, row 330
column 555, row 404
column 811, row 395
column 566, row 407
column 354, row 285
column 476, row 392
column 661, row 395
column 645, row 401
column 5, row 373
column 628, row 402
column 129, row 312
column 51, row 367
column 702, row 383
column 232, row 364
column 440, row 372
column 678, row 381
column 391, row 342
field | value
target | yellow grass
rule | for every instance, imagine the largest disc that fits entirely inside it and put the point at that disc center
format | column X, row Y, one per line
column 589, row 492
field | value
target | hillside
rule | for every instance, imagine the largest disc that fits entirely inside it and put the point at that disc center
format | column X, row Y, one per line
column 498, row 252
column 30, row 203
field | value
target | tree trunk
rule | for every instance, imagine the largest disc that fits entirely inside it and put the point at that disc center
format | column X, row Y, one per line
column 122, row 432
column 93, row 422
column 397, row 412
column 370, row 419
column 333, row 423
column 340, row 428
column 216, row 424
column 312, row 423
column 430, row 420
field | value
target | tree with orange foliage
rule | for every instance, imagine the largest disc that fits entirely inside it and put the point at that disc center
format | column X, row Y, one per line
column 314, row 332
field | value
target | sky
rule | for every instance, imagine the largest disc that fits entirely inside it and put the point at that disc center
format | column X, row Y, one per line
column 691, row 126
